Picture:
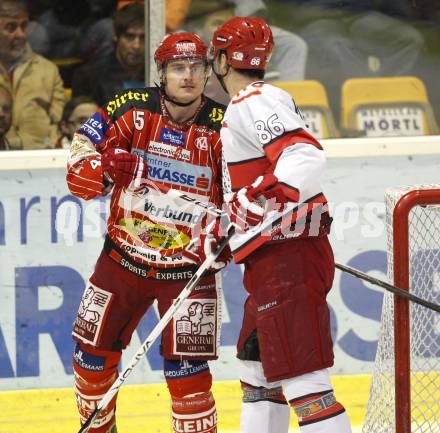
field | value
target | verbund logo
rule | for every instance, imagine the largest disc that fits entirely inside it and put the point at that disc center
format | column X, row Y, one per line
column 172, row 137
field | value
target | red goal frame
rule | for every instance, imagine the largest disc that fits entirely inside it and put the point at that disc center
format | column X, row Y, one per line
column 401, row 305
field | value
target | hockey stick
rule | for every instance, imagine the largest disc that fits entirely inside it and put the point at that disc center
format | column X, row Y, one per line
column 355, row 272
column 389, row 287
column 157, row 330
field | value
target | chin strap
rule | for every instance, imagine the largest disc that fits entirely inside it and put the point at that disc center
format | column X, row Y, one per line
column 221, row 77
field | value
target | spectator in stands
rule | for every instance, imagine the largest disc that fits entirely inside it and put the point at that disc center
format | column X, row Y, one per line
column 176, row 12
column 288, row 61
column 34, row 82
column 70, row 33
column 124, row 67
column 5, row 116
column 65, row 22
column 76, row 112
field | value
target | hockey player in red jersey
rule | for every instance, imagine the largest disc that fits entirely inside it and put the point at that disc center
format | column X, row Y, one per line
column 139, row 145
column 285, row 344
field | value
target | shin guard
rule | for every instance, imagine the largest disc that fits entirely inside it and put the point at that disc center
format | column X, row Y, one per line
column 94, row 372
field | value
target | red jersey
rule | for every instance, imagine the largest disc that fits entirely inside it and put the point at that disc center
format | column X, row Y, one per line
column 148, row 224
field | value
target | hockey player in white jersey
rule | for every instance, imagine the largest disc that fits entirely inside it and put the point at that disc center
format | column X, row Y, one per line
column 285, row 344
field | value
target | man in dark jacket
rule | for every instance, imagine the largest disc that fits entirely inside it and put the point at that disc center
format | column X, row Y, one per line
column 124, row 67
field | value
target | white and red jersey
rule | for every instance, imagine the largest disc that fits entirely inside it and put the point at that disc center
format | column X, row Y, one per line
column 263, row 132
column 150, row 225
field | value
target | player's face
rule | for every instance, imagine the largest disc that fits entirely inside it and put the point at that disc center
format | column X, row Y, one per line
column 13, row 36
column 185, row 79
column 5, row 111
column 130, row 47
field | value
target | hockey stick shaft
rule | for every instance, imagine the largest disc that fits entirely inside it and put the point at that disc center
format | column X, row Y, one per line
column 157, row 330
column 355, row 272
column 389, row 287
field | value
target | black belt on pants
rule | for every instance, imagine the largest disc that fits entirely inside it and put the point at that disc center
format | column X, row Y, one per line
column 147, row 271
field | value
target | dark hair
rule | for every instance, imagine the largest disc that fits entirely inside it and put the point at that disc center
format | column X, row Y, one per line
column 73, row 103
column 130, row 15
column 12, row 8
column 252, row 73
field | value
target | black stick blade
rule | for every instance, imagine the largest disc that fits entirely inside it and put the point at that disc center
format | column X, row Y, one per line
column 89, row 421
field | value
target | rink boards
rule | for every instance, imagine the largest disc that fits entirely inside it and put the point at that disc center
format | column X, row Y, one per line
column 49, row 242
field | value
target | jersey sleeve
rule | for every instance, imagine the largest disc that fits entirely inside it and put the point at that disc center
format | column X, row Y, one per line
column 296, row 157
column 278, row 122
column 106, row 128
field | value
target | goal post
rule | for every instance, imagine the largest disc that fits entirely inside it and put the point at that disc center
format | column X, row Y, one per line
column 405, row 388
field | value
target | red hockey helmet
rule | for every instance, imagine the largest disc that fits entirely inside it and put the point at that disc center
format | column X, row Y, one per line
column 180, row 46
column 248, row 42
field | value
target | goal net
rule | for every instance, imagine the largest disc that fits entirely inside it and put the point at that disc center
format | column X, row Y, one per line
column 405, row 388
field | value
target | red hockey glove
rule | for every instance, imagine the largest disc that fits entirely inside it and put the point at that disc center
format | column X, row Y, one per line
column 203, row 245
column 126, row 169
column 248, row 205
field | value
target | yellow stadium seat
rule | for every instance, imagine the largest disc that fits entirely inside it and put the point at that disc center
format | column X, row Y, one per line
column 311, row 98
column 388, row 106
column 68, row 93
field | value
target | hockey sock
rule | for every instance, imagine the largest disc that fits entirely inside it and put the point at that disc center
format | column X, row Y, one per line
column 264, row 410
column 94, row 372
column 193, row 405
column 194, row 413
column 311, row 397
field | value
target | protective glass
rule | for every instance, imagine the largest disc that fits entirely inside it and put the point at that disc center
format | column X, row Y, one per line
column 196, row 68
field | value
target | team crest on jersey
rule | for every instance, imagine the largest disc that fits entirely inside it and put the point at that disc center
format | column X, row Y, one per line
column 195, row 327
column 201, row 143
column 216, row 114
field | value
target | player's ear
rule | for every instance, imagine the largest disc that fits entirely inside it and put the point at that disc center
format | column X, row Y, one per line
column 222, row 62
